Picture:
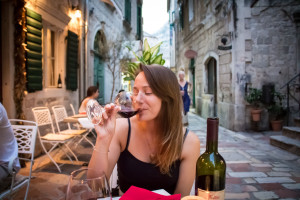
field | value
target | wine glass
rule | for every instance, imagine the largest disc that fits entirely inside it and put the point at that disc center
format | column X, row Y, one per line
column 94, row 111
column 81, row 187
column 123, row 99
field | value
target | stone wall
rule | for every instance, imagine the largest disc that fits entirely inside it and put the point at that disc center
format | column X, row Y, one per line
column 114, row 29
column 263, row 40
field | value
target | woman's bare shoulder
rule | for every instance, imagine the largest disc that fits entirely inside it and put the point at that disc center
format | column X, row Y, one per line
column 121, row 131
column 191, row 144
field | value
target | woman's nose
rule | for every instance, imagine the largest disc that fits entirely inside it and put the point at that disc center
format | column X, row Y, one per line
column 139, row 98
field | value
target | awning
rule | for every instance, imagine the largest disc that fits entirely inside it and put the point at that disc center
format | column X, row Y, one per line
column 190, row 54
column 108, row 2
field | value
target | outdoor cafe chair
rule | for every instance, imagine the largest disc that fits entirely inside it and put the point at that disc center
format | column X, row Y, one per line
column 25, row 133
column 60, row 114
column 43, row 118
column 81, row 124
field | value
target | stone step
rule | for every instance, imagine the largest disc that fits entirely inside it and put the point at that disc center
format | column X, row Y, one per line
column 286, row 143
column 291, row 131
column 297, row 121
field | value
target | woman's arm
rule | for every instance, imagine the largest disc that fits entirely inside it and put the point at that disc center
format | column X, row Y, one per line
column 187, row 172
column 107, row 149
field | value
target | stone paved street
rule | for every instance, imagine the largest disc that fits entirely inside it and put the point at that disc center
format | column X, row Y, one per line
column 255, row 169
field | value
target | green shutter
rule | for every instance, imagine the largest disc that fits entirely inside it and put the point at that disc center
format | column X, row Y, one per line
column 72, row 61
column 139, row 22
column 34, row 72
column 128, row 11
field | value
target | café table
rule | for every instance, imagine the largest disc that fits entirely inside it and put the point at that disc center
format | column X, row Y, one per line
column 84, row 123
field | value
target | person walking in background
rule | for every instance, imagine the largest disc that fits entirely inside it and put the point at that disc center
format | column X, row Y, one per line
column 92, row 93
column 185, row 88
column 8, row 149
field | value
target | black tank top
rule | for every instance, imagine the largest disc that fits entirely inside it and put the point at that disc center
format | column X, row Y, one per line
column 132, row 171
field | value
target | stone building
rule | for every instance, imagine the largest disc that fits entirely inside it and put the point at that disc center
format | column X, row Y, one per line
column 229, row 46
column 68, row 40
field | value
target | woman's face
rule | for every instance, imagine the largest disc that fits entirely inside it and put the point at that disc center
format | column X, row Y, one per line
column 96, row 94
column 181, row 76
column 144, row 99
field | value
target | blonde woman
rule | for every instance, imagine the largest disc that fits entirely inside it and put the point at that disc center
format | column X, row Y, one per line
column 152, row 149
column 185, row 88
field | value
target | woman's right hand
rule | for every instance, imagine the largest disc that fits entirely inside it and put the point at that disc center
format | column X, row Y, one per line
column 106, row 128
column 182, row 92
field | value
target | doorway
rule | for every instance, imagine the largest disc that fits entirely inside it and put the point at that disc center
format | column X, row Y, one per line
column 99, row 78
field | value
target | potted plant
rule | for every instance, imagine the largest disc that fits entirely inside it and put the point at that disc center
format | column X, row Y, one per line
column 254, row 98
column 277, row 111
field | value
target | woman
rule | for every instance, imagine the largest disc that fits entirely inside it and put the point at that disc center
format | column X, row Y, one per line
column 152, row 149
column 92, row 93
column 184, row 85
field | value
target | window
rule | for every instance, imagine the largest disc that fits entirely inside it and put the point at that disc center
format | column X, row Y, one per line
column 128, row 11
column 181, row 16
column 191, row 10
column 211, row 76
column 51, row 67
column 139, row 22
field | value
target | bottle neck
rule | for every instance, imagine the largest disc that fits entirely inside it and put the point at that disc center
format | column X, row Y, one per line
column 212, row 135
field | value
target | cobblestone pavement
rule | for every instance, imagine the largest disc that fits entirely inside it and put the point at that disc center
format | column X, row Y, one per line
column 255, row 169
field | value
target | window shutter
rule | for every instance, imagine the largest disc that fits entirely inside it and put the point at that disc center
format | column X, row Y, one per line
column 72, row 61
column 34, row 72
column 128, row 11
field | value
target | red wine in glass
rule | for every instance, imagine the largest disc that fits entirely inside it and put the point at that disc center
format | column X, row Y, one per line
column 128, row 113
column 124, row 101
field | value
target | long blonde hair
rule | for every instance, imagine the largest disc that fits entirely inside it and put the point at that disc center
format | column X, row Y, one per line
column 164, row 85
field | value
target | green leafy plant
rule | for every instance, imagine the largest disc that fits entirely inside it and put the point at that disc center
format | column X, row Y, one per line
column 150, row 56
column 254, row 97
column 276, row 109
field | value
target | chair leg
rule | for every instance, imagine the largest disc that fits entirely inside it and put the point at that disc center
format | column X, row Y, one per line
column 48, row 154
column 67, row 155
column 85, row 137
column 28, row 185
column 71, row 152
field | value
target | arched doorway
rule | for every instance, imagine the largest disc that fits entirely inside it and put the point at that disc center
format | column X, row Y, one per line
column 100, row 51
column 211, row 77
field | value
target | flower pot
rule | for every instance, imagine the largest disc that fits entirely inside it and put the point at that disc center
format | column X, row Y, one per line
column 276, row 125
column 256, row 114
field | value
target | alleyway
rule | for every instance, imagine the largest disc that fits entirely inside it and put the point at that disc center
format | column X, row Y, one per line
column 255, row 169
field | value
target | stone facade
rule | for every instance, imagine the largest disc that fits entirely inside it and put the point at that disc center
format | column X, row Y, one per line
column 263, row 37
column 59, row 15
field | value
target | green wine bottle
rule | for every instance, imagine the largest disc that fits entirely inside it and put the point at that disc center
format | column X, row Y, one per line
column 211, row 167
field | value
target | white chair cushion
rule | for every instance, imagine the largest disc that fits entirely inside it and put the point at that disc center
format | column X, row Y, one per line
column 72, row 132
column 56, row 137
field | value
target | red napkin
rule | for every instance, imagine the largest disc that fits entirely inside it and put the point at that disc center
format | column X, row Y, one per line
column 136, row 193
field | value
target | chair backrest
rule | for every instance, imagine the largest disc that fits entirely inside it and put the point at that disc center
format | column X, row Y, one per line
column 25, row 133
column 60, row 114
column 42, row 117
column 72, row 108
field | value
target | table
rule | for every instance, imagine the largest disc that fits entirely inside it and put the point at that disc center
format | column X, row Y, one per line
column 74, row 118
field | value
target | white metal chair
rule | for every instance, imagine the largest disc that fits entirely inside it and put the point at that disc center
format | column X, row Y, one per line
column 60, row 114
column 25, row 133
column 43, row 118
column 72, row 108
